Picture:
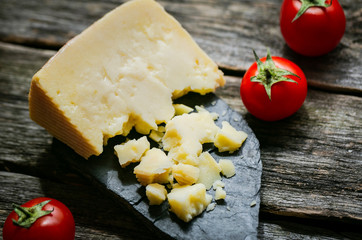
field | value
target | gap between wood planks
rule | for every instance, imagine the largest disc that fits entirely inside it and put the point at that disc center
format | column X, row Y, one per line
column 228, row 70
column 236, row 72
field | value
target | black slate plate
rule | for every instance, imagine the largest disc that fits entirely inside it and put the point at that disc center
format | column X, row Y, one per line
column 234, row 218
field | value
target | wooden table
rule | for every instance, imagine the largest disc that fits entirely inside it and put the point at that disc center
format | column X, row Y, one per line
column 312, row 161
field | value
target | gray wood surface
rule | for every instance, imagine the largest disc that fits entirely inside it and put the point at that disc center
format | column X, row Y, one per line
column 312, row 161
column 226, row 30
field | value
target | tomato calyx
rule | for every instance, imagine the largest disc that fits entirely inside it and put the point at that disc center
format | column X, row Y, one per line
column 28, row 215
column 311, row 3
column 269, row 74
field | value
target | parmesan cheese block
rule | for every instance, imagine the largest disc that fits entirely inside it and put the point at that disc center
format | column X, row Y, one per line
column 188, row 201
column 121, row 72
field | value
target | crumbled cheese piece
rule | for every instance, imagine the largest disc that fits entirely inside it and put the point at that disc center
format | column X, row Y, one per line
column 182, row 109
column 214, row 115
column 228, row 138
column 156, row 193
column 218, row 183
column 188, row 201
column 211, row 207
column 253, row 203
column 131, row 151
column 156, row 135
column 185, row 174
column 185, row 135
column 209, row 170
column 220, row 193
column 154, row 167
column 227, row 167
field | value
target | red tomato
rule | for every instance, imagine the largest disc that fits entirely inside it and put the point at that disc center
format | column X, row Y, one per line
column 317, row 31
column 273, row 88
column 57, row 222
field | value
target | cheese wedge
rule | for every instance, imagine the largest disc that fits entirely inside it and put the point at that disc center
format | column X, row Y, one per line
column 121, row 72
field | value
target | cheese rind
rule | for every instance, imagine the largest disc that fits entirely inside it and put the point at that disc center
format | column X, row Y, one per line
column 121, row 72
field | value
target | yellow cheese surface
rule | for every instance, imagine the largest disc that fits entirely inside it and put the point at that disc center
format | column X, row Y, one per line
column 228, row 139
column 185, row 135
column 227, row 167
column 209, row 170
column 155, row 167
column 156, row 193
column 131, row 151
column 121, row 72
column 188, row 201
column 185, row 174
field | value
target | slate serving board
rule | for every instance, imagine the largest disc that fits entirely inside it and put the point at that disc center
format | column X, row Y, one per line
column 236, row 217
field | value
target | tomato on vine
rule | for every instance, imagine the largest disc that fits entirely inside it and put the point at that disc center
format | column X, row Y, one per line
column 273, row 88
column 39, row 218
column 312, row 27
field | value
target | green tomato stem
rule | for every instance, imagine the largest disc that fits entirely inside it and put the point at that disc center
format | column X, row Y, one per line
column 310, row 3
column 28, row 215
column 269, row 74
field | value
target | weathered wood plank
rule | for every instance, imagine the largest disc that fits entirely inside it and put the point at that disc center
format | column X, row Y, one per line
column 311, row 160
column 97, row 217
column 226, row 30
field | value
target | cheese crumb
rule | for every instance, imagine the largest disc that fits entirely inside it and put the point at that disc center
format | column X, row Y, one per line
column 185, row 174
column 209, row 170
column 227, row 167
column 228, row 138
column 156, row 193
column 182, row 109
column 188, row 201
column 185, row 135
column 131, row 151
column 220, row 193
column 218, row 183
column 211, row 207
column 154, row 167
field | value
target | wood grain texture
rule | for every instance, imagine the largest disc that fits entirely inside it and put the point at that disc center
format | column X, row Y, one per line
column 105, row 220
column 226, row 30
column 108, row 220
column 311, row 160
